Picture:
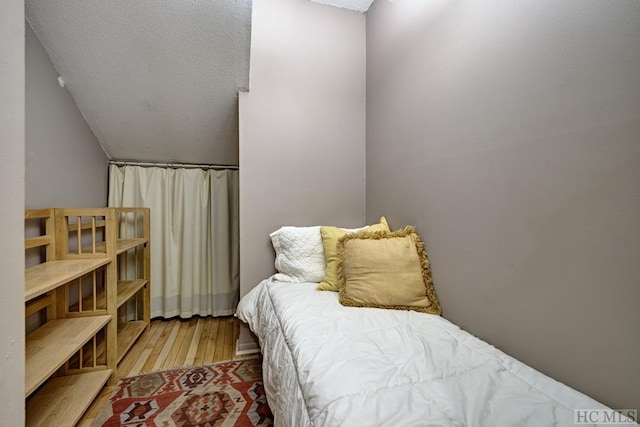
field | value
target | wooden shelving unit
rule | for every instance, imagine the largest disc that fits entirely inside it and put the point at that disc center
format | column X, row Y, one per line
column 90, row 290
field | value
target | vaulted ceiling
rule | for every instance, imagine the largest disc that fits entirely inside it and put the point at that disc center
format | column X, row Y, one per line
column 155, row 80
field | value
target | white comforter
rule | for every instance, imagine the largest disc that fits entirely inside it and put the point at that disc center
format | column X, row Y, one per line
column 329, row 365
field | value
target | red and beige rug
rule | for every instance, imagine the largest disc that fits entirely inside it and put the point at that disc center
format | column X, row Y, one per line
column 223, row 394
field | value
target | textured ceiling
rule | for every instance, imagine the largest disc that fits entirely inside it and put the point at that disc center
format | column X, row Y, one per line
column 359, row 5
column 155, row 80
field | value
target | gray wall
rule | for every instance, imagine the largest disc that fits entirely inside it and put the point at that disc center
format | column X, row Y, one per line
column 65, row 165
column 509, row 133
column 302, row 126
column 12, row 211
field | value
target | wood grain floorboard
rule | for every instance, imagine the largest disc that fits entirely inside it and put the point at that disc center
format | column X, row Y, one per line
column 202, row 344
column 172, row 344
column 166, row 348
column 211, row 342
column 218, row 352
column 161, row 342
column 175, row 347
column 186, row 343
column 193, row 346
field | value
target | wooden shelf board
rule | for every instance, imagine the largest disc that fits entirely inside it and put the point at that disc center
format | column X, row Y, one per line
column 122, row 245
column 128, row 333
column 49, row 346
column 128, row 288
column 63, row 400
column 44, row 277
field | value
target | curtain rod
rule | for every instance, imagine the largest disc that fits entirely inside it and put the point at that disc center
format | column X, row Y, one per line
column 171, row 165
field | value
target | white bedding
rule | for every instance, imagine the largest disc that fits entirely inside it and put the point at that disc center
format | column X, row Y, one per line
column 329, row 365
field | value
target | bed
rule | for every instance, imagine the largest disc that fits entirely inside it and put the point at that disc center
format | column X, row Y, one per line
column 329, row 364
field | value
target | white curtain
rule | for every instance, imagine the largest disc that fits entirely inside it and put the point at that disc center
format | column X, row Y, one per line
column 194, row 235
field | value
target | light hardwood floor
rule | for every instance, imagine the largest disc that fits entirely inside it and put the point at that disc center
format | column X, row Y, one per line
column 175, row 343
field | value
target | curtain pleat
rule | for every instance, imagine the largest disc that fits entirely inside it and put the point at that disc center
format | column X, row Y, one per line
column 194, row 236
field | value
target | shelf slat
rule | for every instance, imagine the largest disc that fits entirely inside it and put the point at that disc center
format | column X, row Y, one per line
column 122, row 245
column 48, row 347
column 63, row 400
column 128, row 332
column 128, row 288
column 36, row 242
column 44, row 277
column 38, row 213
column 86, row 225
column 36, row 305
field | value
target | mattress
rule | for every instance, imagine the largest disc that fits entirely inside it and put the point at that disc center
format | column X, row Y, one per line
column 330, row 365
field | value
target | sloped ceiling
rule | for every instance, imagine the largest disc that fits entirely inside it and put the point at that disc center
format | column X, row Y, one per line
column 359, row 5
column 155, row 80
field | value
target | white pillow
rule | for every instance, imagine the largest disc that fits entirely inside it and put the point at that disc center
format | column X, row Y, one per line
column 299, row 254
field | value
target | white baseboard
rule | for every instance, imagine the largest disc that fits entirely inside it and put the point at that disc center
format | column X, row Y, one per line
column 247, row 348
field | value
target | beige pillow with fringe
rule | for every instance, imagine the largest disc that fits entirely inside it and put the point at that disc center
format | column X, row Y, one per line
column 386, row 270
column 330, row 237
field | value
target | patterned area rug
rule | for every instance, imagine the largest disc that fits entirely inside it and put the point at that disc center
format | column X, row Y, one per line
column 223, row 394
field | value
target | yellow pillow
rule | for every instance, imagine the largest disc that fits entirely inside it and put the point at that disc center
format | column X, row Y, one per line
column 330, row 236
column 386, row 270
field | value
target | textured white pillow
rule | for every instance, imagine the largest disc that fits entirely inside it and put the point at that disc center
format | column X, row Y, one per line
column 299, row 254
